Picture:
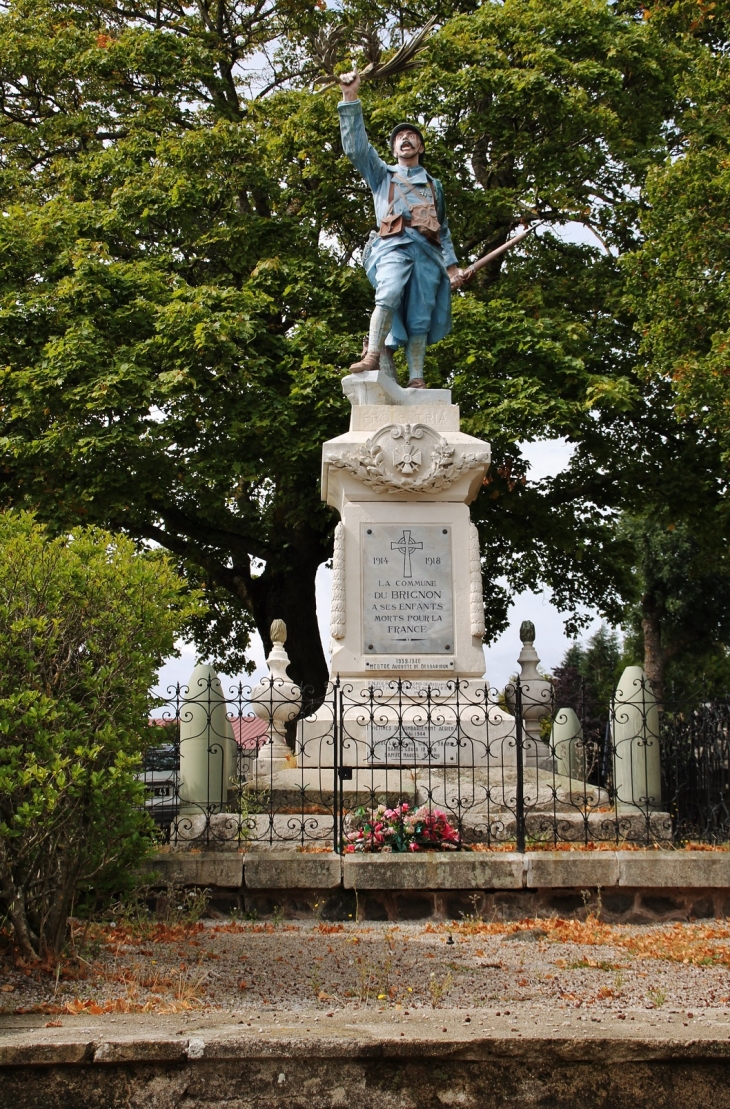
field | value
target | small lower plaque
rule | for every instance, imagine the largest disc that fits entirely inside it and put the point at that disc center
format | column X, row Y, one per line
column 407, row 601
column 409, row 663
column 433, row 745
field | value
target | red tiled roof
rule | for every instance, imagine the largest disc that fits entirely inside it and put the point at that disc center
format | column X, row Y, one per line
column 248, row 731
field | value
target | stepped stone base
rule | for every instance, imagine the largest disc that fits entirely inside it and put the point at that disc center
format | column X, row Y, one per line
column 366, row 1060
column 299, row 827
column 620, row 886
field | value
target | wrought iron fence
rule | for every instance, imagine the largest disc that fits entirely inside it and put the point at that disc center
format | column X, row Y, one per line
column 403, row 765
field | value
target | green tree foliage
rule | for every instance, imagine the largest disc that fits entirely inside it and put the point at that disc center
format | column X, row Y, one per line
column 681, row 623
column 597, row 664
column 179, row 293
column 678, row 279
column 170, row 321
column 677, row 291
column 586, row 679
column 85, row 621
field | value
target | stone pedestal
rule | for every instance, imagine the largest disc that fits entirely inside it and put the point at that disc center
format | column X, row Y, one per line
column 535, row 699
column 636, row 744
column 407, row 590
column 407, row 610
column 276, row 701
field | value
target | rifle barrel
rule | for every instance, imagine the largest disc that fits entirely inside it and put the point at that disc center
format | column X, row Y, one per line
column 482, row 262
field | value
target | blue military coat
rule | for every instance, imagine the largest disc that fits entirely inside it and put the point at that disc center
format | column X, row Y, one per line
column 378, row 174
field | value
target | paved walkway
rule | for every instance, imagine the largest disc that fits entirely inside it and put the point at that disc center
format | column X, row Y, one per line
column 559, row 970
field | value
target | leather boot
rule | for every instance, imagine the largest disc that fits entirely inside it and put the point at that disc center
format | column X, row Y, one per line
column 369, row 361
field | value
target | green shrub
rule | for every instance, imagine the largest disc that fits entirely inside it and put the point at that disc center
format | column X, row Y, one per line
column 85, row 621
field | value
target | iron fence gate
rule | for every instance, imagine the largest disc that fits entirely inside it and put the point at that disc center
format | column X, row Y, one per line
column 406, row 766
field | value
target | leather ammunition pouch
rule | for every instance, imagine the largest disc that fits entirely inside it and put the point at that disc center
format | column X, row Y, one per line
column 392, row 225
column 423, row 217
column 425, row 220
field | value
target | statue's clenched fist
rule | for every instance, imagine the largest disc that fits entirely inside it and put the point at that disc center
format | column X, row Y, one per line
column 350, row 85
column 458, row 277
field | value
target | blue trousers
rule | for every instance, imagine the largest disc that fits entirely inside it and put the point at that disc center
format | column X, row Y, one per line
column 407, row 281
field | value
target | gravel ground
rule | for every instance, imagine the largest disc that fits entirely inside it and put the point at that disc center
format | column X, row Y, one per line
column 682, row 971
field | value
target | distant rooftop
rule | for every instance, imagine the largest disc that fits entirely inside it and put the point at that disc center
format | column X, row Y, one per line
column 248, row 731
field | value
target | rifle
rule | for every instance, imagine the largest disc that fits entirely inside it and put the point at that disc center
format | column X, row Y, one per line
column 480, row 263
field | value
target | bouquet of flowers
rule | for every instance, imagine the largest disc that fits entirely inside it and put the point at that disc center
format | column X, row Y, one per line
column 402, row 829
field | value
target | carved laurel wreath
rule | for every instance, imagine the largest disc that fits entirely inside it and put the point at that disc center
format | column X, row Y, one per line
column 370, row 465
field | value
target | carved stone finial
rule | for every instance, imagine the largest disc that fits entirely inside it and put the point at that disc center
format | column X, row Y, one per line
column 276, row 700
column 278, row 632
column 527, row 631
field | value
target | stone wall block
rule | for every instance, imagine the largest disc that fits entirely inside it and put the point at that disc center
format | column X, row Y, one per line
column 23, row 1054
column 214, row 868
column 291, row 870
column 572, row 869
column 432, row 871
column 153, row 1050
column 674, row 868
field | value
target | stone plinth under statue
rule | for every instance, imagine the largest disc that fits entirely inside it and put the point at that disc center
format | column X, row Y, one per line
column 407, row 612
column 407, row 585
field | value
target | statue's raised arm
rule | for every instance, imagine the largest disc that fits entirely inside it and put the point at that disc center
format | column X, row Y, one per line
column 410, row 259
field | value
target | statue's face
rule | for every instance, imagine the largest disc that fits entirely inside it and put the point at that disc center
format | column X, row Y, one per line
column 407, row 146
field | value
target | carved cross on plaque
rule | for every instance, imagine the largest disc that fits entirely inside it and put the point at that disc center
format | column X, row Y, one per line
column 406, row 546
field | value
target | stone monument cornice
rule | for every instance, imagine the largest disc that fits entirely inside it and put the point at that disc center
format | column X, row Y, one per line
column 403, row 460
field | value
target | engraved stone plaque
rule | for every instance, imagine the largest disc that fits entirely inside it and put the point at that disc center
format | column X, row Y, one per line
column 407, row 590
column 410, row 662
column 432, row 744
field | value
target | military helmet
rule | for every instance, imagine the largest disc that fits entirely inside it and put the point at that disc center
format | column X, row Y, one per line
column 406, row 127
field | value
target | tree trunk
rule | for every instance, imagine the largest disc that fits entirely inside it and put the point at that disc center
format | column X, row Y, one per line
column 288, row 594
column 53, row 937
column 15, row 908
column 654, row 655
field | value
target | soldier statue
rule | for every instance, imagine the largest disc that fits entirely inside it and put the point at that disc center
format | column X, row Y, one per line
column 410, row 259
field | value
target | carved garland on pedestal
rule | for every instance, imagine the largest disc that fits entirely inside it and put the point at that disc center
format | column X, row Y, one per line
column 476, row 593
column 337, row 615
column 409, row 458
